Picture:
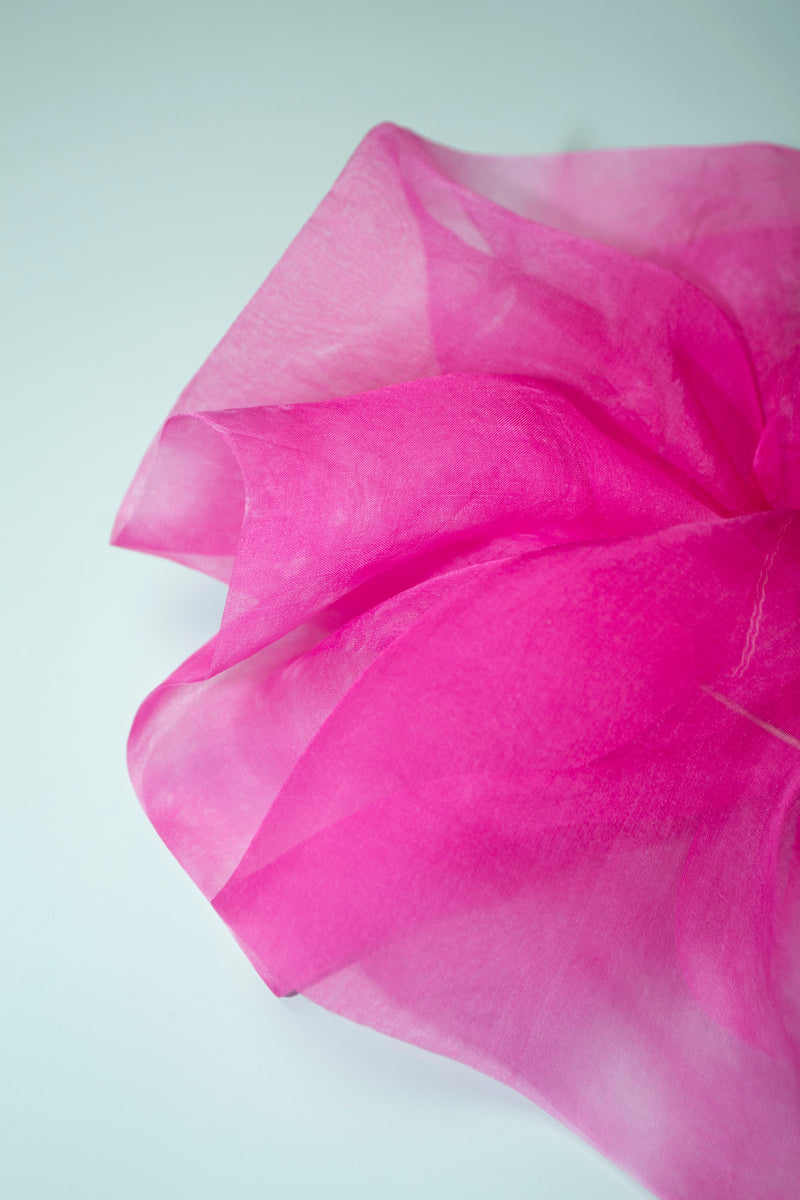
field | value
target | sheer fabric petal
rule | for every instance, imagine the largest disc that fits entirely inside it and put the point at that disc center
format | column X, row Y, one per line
column 498, row 746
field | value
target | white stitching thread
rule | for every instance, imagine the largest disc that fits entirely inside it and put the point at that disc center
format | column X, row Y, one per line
column 758, row 608
column 737, row 708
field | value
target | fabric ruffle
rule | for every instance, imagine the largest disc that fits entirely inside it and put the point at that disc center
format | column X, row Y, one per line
column 498, row 746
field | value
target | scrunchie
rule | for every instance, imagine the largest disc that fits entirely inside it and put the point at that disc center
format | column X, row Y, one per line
column 497, row 749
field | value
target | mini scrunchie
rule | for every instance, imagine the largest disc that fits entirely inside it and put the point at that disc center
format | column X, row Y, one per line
column 497, row 749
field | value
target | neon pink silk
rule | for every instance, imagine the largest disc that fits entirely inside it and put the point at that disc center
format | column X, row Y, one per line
column 498, row 746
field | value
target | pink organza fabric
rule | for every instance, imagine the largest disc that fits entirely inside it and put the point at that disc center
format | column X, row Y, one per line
column 498, row 746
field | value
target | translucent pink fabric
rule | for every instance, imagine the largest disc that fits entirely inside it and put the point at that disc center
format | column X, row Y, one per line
column 498, row 746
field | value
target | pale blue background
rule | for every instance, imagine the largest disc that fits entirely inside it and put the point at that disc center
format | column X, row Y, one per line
column 157, row 158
